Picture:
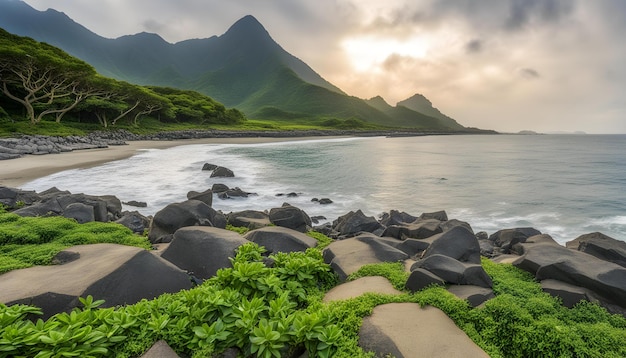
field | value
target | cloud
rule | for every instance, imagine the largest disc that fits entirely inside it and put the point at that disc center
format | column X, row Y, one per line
column 529, row 73
column 474, row 46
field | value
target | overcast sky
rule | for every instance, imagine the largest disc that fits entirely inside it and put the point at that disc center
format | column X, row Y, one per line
column 508, row 65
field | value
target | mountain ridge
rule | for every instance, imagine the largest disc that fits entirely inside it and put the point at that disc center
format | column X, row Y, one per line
column 243, row 68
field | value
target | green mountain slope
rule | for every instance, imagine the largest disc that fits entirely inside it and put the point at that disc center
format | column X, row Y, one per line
column 243, row 68
column 421, row 104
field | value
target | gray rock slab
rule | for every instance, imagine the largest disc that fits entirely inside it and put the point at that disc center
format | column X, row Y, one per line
column 160, row 349
column 356, row 288
column 280, row 239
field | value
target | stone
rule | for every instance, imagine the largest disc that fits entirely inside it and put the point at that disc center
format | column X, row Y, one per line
column 410, row 331
column 251, row 219
column 82, row 213
column 570, row 295
column 507, row 238
column 209, row 166
column 135, row 221
column 601, row 246
column 280, row 239
column 358, row 287
column 205, row 196
column 450, row 224
column 437, row 215
column 203, row 249
column 395, row 217
column 356, row 222
column 290, row 217
column 453, row 271
column 118, row 274
column 137, row 204
column 474, row 295
column 219, row 188
column 221, row 172
column 325, row 201
column 177, row 215
column 421, row 278
column 348, row 256
column 419, row 229
column 160, row 349
column 458, row 243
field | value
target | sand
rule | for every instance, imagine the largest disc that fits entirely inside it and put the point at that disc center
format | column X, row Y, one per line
column 16, row 172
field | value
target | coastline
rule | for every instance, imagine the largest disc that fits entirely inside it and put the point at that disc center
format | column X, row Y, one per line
column 16, row 172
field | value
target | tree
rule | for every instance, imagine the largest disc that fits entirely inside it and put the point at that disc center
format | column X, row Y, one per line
column 42, row 78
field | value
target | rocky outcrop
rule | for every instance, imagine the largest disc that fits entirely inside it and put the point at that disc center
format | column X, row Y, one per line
column 280, row 239
column 251, row 219
column 205, row 196
column 347, row 256
column 356, row 288
column 290, row 217
column 222, row 172
column 353, row 223
column 408, row 330
column 202, row 249
column 118, row 274
column 601, row 246
column 103, row 208
column 178, row 215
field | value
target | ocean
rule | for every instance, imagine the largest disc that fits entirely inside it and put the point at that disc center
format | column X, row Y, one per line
column 562, row 185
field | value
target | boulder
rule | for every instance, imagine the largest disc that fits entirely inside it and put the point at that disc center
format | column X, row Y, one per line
column 251, row 219
column 82, row 213
column 137, row 204
column 280, row 239
column 507, row 238
column 177, row 215
column 356, row 288
column 118, row 274
column 395, row 217
column 202, row 249
column 450, row 224
column 221, row 172
column 347, row 256
column 412, row 247
column 601, row 246
column 420, row 278
column 419, row 229
column 14, row 198
column 233, row 193
column 160, row 349
column 290, row 217
column 570, row 295
column 135, row 221
column 437, row 215
column 453, row 271
column 458, row 243
column 410, row 331
column 474, row 295
column 548, row 260
column 205, row 196
column 209, row 166
column 219, row 188
column 356, row 222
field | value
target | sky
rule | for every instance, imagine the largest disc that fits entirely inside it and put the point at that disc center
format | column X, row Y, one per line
column 507, row 65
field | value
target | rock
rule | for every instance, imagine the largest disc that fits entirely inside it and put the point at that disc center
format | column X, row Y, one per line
column 347, row 256
column 137, row 204
column 177, row 215
column 420, row 278
column 205, row 196
column 316, row 219
column 353, row 289
column 290, row 217
column 80, row 212
column 412, row 247
column 280, row 239
column 395, row 217
column 160, row 349
column 219, row 188
column 458, row 243
column 356, row 222
column 437, row 215
column 548, row 260
column 208, row 166
column 15, row 198
column 202, row 249
column 251, row 219
column 118, row 274
column 451, row 224
column 221, row 172
column 453, row 271
column 325, row 201
column 135, row 221
column 506, row 238
column 408, row 330
column 601, row 246
column 474, row 295
column 570, row 295
column 419, row 229
column 233, row 193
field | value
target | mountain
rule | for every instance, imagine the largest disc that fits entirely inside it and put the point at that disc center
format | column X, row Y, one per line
column 421, row 104
column 243, row 68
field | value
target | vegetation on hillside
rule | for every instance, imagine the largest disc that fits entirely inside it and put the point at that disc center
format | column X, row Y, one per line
column 39, row 82
column 270, row 311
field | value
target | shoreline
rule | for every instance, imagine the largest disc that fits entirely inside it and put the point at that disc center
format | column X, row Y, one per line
column 16, row 172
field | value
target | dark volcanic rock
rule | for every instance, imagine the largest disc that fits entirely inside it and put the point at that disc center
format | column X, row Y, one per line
column 135, row 221
column 457, row 243
column 507, row 238
column 356, row 222
column 203, row 250
column 137, row 204
column 281, row 239
column 548, row 260
column 82, row 213
column 601, row 246
column 475, row 295
column 205, row 196
column 221, row 172
column 395, row 217
column 290, row 217
column 219, row 188
column 252, row 219
column 437, row 215
column 118, row 274
column 454, row 272
column 419, row 229
column 347, row 256
column 421, row 278
column 177, row 215
column 209, row 166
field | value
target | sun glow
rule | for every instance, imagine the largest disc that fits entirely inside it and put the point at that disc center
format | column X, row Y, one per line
column 368, row 53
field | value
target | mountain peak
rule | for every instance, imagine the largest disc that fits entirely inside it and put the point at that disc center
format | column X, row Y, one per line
column 247, row 26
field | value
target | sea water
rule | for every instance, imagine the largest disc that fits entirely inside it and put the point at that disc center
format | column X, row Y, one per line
column 562, row 185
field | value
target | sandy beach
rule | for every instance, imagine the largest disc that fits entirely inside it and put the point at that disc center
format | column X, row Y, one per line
column 16, row 172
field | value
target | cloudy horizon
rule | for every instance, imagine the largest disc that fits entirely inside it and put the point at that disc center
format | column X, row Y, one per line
column 543, row 65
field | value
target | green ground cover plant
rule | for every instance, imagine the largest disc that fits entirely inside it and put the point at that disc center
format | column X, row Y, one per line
column 270, row 311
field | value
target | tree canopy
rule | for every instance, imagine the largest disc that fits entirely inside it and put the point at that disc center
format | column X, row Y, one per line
column 47, row 83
